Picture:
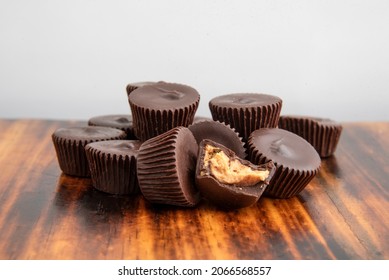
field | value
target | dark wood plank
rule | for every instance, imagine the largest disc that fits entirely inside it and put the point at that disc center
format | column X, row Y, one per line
column 342, row 214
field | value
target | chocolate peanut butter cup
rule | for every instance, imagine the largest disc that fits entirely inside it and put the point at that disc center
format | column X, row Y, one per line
column 297, row 162
column 220, row 133
column 69, row 144
column 120, row 121
column 227, row 180
column 166, row 167
column 162, row 106
column 246, row 112
column 112, row 165
column 323, row 134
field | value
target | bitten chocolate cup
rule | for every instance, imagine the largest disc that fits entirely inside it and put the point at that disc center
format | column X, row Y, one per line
column 227, row 180
column 112, row 165
column 162, row 106
column 297, row 162
column 69, row 144
column 123, row 122
column 220, row 133
column 322, row 134
column 166, row 167
column 246, row 112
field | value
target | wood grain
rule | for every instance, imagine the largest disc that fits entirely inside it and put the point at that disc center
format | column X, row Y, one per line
column 342, row 214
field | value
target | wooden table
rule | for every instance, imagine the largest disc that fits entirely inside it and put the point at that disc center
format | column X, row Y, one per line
column 342, row 214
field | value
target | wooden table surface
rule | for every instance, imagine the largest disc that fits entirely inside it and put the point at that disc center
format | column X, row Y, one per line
column 342, row 214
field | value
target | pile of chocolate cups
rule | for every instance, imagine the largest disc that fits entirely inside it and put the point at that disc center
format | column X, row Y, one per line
column 166, row 152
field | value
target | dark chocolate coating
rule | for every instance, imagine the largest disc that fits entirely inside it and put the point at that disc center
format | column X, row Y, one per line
column 245, row 100
column 285, row 148
column 229, row 196
column 133, row 86
column 120, row 121
column 117, row 147
column 296, row 160
column 162, row 106
column 112, row 165
column 88, row 133
column 322, row 134
column 70, row 145
column 164, row 96
column 166, row 166
column 200, row 119
column 246, row 112
column 220, row 133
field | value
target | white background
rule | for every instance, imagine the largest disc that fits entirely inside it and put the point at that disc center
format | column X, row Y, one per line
column 73, row 59
column 108, row 269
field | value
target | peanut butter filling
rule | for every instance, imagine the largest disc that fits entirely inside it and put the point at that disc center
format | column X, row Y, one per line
column 230, row 171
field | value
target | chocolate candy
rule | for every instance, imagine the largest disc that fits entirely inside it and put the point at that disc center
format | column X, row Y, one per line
column 123, row 122
column 322, row 134
column 166, row 166
column 296, row 160
column 227, row 180
column 162, row 106
column 246, row 112
column 112, row 165
column 220, row 133
column 70, row 145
